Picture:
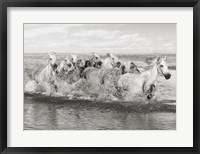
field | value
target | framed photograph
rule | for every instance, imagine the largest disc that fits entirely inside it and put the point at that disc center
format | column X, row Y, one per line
column 94, row 76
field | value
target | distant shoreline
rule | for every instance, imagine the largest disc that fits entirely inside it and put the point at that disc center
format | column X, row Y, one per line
column 139, row 54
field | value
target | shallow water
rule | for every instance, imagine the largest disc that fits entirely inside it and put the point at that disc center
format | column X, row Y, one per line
column 55, row 114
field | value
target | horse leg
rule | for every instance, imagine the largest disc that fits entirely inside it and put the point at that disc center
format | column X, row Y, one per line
column 56, row 88
column 151, row 91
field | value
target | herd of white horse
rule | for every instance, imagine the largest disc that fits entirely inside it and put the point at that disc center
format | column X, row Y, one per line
column 124, row 77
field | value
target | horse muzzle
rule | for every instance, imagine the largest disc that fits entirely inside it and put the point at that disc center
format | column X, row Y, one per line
column 149, row 96
column 56, row 71
column 167, row 76
column 55, row 66
column 118, row 64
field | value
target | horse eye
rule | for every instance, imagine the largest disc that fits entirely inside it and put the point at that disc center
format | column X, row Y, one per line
column 161, row 65
column 50, row 58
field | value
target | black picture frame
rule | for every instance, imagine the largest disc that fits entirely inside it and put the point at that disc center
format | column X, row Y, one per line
column 4, row 4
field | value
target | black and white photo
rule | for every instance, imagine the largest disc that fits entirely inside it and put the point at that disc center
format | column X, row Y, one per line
column 100, row 76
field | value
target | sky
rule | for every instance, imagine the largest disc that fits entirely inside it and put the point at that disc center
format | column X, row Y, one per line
column 100, row 38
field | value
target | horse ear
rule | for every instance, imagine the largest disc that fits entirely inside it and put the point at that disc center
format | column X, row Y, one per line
column 158, row 59
column 73, row 56
column 164, row 58
column 132, row 63
column 49, row 53
column 93, row 54
column 108, row 54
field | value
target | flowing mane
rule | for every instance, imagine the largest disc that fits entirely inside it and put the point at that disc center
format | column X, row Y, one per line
column 149, row 67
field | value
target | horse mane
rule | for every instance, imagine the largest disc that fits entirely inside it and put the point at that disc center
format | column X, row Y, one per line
column 38, row 69
column 149, row 67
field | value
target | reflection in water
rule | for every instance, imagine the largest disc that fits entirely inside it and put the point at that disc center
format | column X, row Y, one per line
column 63, row 116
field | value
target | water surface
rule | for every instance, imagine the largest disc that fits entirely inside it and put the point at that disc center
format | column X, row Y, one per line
column 46, row 113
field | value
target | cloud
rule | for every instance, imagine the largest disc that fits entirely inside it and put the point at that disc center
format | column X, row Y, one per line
column 168, row 44
column 44, row 36
column 147, row 44
column 97, row 33
column 160, row 38
column 129, row 36
column 44, row 31
column 90, row 37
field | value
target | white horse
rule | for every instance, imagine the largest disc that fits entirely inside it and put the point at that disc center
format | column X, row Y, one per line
column 95, row 60
column 48, row 73
column 65, row 66
column 45, row 78
column 70, row 72
column 132, row 85
column 111, row 61
column 74, row 59
column 95, row 75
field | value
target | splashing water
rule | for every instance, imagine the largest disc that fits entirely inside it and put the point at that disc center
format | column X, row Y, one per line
column 79, row 90
column 82, row 89
column 87, row 90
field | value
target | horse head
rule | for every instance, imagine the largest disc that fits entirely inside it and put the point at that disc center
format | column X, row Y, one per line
column 65, row 65
column 118, row 64
column 96, row 60
column 80, row 63
column 113, row 59
column 88, row 63
column 162, row 67
column 96, row 57
column 52, row 61
column 130, row 67
column 74, row 59
column 134, row 68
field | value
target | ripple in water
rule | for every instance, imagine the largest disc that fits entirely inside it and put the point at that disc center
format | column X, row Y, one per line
column 56, row 114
